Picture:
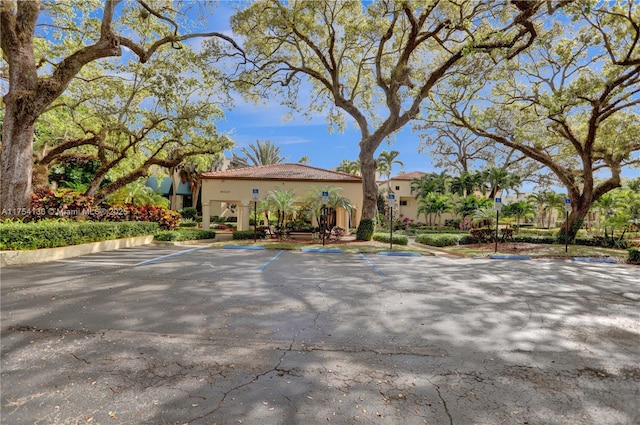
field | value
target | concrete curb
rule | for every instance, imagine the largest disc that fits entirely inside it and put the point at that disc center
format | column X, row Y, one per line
column 180, row 243
column 509, row 257
column 400, row 254
column 249, row 247
column 594, row 260
column 322, row 250
column 16, row 258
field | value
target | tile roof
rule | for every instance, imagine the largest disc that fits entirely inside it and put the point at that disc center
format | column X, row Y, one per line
column 406, row 176
column 283, row 172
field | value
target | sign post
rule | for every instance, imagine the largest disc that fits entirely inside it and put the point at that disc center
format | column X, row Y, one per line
column 392, row 203
column 255, row 196
column 498, row 206
column 567, row 208
column 323, row 215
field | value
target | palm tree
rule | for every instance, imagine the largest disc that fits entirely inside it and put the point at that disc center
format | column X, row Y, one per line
column 349, row 167
column 305, row 160
column 436, row 204
column 518, row 209
column 139, row 194
column 466, row 183
column 634, row 185
column 385, row 163
column 465, row 206
column 498, row 179
column 429, row 183
column 313, row 200
column 485, row 214
column 260, row 153
column 539, row 199
column 283, row 202
column 555, row 201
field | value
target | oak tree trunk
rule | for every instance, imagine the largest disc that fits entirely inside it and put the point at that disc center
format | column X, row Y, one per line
column 369, row 186
column 17, row 148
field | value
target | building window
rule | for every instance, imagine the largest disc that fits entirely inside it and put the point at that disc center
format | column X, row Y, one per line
column 397, row 187
column 403, row 203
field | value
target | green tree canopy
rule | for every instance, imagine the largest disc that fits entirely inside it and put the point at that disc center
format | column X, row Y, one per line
column 570, row 103
column 372, row 63
column 44, row 53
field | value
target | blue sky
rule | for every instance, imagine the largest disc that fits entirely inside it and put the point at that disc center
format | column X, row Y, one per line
column 298, row 137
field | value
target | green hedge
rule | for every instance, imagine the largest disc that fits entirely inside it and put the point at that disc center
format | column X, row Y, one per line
column 549, row 232
column 183, row 234
column 634, row 255
column 549, row 240
column 397, row 239
column 51, row 234
column 238, row 235
column 441, row 239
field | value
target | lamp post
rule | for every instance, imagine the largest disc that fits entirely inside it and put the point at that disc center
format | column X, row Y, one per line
column 498, row 206
column 255, row 195
column 323, row 215
column 567, row 208
column 392, row 203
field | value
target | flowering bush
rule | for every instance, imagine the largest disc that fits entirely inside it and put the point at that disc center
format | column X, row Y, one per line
column 65, row 203
column 166, row 218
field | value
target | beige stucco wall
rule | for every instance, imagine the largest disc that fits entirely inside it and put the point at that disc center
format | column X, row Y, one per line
column 402, row 190
column 239, row 191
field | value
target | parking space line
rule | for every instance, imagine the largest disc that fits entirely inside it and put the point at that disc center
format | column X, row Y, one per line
column 94, row 263
column 375, row 268
column 264, row 266
column 164, row 257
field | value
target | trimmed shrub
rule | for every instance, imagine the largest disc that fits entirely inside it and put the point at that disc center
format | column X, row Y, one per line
column 183, row 235
column 51, row 234
column 634, row 255
column 188, row 224
column 189, row 213
column 365, row 230
column 559, row 232
column 465, row 240
column 397, row 239
column 238, row 235
column 549, row 240
column 482, row 235
column 442, row 239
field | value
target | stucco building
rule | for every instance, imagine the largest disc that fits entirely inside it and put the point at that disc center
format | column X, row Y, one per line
column 236, row 187
column 406, row 202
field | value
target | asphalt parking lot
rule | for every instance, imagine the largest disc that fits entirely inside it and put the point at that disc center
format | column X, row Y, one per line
column 196, row 335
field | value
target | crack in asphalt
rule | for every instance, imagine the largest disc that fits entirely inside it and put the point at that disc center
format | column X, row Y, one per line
column 257, row 377
column 444, row 402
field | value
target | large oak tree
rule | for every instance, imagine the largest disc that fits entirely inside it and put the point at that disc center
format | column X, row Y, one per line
column 131, row 117
column 374, row 64
column 571, row 103
column 86, row 32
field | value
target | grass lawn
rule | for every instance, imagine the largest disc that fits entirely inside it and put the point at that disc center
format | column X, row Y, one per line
column 538, row 250
column 365, row 247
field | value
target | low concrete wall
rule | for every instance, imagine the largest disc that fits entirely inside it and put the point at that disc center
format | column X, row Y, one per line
column 14, row 258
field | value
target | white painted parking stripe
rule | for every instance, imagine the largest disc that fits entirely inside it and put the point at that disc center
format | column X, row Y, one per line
column 164, row 257
column 97, row 263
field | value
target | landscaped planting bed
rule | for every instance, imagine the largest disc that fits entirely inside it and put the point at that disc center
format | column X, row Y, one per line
column 52, row 234
column 183, row 234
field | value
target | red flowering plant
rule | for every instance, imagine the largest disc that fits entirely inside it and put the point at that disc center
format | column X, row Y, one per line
column 62, row 203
